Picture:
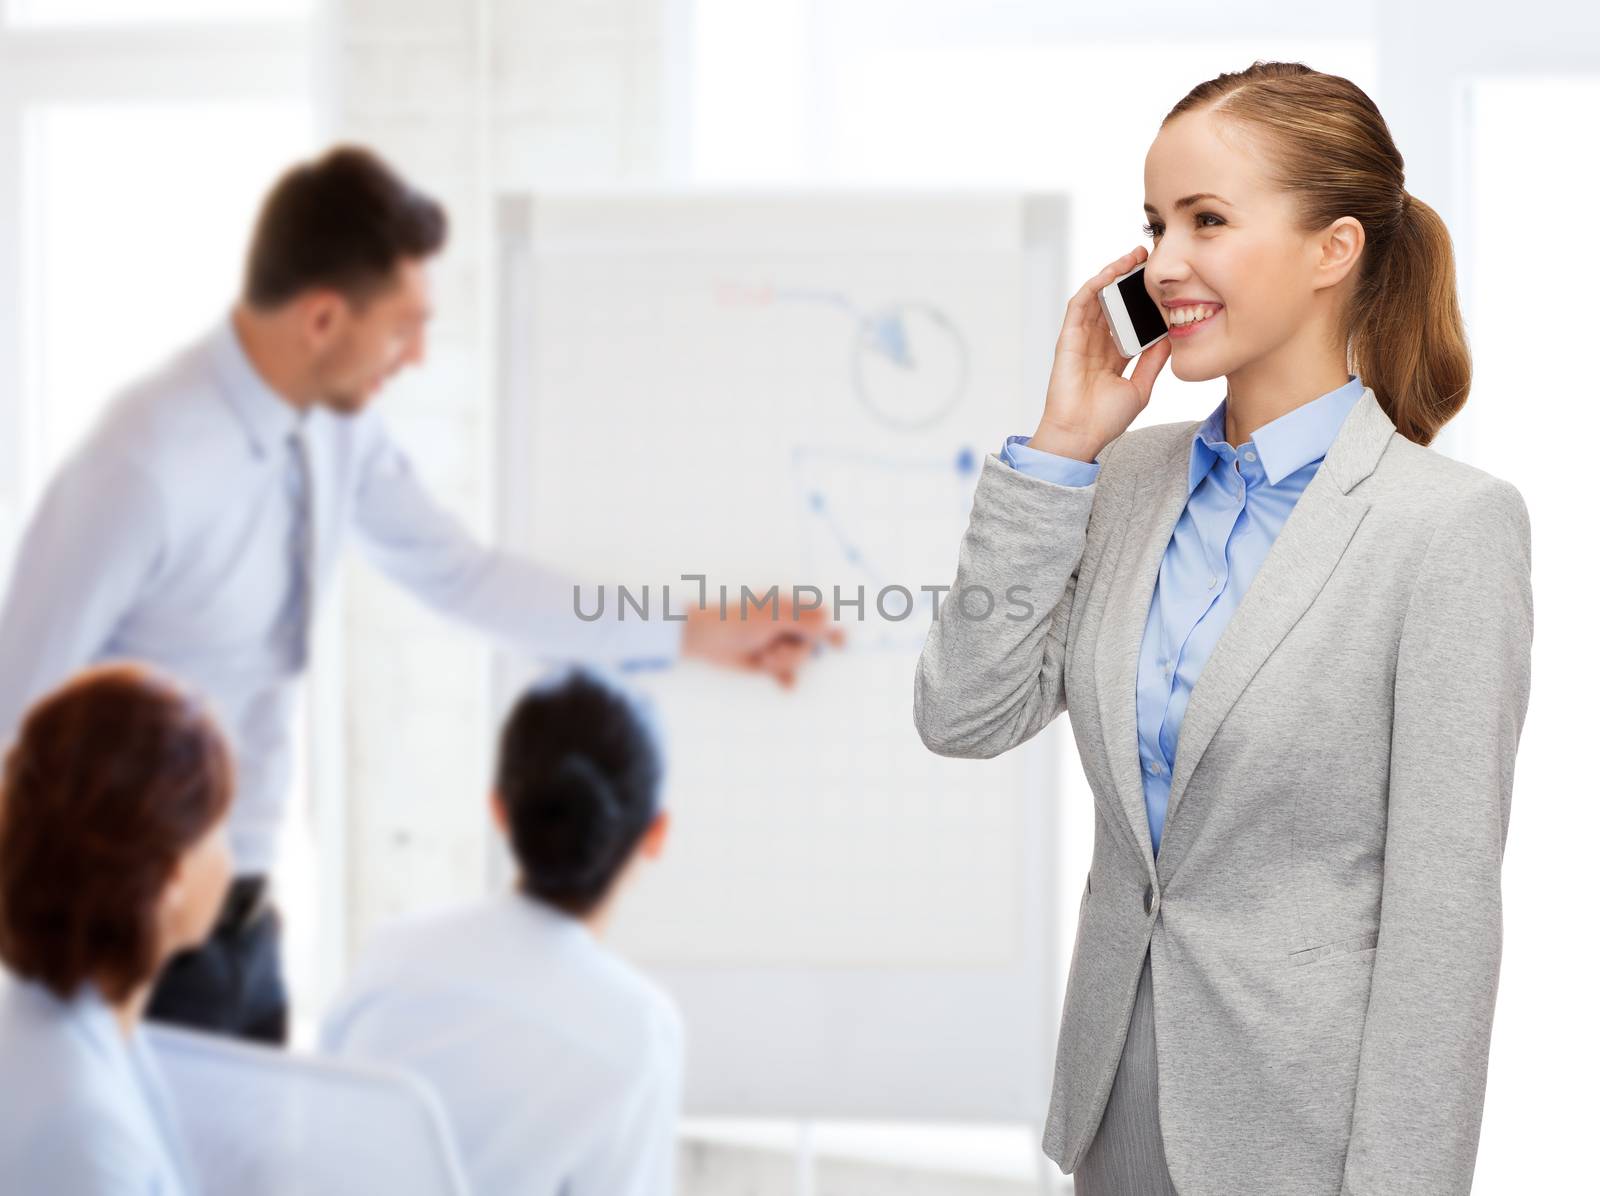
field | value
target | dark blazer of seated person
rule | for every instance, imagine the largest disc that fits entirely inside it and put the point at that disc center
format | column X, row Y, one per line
column 112, row 857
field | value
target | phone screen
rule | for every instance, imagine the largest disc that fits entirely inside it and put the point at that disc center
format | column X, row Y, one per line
column 1142, row 310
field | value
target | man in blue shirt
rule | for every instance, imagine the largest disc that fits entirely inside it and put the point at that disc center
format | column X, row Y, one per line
column 202, row 518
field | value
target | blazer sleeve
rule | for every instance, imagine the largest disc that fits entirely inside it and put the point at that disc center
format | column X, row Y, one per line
column 1460, row 696
column 991, row 670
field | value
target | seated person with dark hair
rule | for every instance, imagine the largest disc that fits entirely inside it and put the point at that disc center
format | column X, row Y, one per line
column 113, row 856
column 559, row 1065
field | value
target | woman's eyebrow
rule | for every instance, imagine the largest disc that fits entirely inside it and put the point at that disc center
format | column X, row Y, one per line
column 1188, row 201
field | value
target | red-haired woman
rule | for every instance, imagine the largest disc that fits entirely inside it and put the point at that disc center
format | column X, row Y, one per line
column 112, row 858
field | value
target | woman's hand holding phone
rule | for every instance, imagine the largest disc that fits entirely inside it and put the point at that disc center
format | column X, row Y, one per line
column 1089, row 403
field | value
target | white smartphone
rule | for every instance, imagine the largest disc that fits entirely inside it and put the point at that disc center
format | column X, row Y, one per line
column 1136, row 321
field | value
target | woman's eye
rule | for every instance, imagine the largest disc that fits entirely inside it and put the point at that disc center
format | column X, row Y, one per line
column 1156, row 229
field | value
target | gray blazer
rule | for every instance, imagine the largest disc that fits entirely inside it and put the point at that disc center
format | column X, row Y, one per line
column 1324, row 918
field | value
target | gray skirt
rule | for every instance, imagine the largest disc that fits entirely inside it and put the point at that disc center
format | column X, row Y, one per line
column 1126, row 1157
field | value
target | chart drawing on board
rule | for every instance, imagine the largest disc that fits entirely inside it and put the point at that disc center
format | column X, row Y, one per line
column 908, row 361
column 908, row 370
column 802, row 392
column 858, row 505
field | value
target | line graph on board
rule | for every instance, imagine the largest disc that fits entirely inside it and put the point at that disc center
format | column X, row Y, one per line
column 804, row 388
column 908, row 371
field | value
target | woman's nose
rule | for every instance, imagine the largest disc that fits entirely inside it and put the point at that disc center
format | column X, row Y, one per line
column 1162, row 270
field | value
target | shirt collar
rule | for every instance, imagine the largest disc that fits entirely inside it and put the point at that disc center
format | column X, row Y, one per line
column 268, row 418
column 1290, row 442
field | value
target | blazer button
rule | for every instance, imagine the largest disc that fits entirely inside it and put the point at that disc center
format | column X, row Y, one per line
column 1149, row 897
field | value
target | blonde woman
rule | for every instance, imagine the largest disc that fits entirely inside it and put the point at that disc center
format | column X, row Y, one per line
column 1294, row 646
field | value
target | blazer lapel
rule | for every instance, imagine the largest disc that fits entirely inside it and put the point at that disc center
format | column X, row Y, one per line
column 1307, row 549
column 1158, row 500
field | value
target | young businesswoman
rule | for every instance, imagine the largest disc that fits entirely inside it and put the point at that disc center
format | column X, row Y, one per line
column 1294, row 647
column 559, row 1065
column 113, row 856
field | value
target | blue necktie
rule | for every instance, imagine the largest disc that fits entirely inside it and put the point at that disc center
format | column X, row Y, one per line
column 302, row 551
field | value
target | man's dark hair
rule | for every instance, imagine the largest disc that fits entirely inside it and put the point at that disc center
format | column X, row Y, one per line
column 344, row 220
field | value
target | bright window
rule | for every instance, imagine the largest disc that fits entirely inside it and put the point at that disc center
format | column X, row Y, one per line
column 136, row 218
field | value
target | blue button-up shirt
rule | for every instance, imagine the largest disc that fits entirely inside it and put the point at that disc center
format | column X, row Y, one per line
column 1238, row 502
column 179, row 534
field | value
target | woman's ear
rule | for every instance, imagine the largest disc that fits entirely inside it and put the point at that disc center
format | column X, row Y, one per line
column 1340, row 247
column 174, row 895
column 497, row 811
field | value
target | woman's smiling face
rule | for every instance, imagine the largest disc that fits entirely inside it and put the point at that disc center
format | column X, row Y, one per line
column 1234, row 250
